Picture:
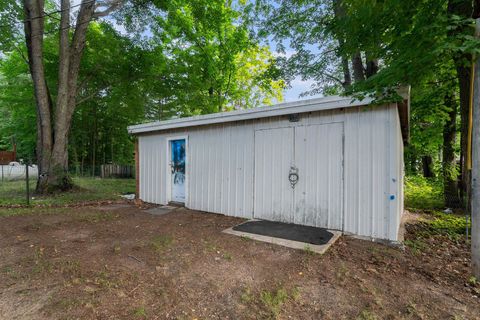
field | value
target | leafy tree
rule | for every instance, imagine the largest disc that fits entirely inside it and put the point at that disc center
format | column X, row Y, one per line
column 211, row 64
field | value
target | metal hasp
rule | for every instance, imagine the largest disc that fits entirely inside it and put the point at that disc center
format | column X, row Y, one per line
column 293, row 176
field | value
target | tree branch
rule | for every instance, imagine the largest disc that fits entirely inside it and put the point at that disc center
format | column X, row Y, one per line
column 110, row 5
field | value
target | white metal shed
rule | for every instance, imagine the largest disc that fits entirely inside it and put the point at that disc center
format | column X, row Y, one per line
column 331, row 162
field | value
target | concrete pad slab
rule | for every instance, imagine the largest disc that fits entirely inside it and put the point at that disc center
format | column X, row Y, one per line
column 318, row 248
column 158, row 211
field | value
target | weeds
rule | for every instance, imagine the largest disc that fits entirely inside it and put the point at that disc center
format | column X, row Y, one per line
column 69, row 268
column 367, row 315
column 342, row 273
column 415, row 245
column 273, row 301
column 139, row 312
column 308, row 250
column 422, row 193
column 247, row 296
column 12, row 273
column 41, row 265
column 161, row 242
column 97, row 217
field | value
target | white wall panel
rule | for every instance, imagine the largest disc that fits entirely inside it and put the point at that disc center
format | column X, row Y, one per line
column 319, row 192
column 274, row 154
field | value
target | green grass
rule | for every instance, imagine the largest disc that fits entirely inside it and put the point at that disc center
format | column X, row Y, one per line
column 273, row 301
column 423, row 193
column 161, row 242
column 450, row 225
column 86, row 189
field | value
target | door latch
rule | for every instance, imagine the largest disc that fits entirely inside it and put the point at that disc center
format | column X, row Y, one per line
column 293, row 176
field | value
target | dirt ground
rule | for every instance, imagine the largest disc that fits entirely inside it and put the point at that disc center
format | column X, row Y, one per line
column 119, row 262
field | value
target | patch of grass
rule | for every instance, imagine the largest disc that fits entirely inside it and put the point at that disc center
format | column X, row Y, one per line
column 423, row 193
column 41, row 264
column 438, row 223
column 116, row 248
column 416, row 245
column 104, row 280
column 86, row 189
column 6, row 212
column 161, row 242
column 210, row 246
column 295, row 293
column 367, row 315
column 245, row 238
column 69, row 268
column 139, row 312
column 342, row 273
column 96, row 217
column 308, row 250
column 273, row 300
column 413, row 311
column 247, row 296
column 64, row 304
column 473, row 280
column 448, row 224
column 227, row 256
column 11, row 272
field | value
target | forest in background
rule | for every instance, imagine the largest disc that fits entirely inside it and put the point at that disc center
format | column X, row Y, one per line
column 186, row 57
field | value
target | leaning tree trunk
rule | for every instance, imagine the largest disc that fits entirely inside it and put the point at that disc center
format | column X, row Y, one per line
column 450, row 183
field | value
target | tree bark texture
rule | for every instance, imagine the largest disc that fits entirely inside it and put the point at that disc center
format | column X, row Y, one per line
column 464, row 9
column 357, row 66
column 339, row 12
column 450, row 182
column 427, row 165
column 475, row 205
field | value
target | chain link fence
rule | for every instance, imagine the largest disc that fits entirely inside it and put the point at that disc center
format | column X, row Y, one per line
column 16, row 183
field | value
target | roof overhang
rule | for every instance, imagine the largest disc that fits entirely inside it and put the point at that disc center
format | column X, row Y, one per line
column 302, row 106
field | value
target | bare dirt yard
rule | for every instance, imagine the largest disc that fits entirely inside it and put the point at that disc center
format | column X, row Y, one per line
column 119, row 262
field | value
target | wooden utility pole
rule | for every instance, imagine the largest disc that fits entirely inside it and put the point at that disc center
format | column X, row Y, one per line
column 475, row 193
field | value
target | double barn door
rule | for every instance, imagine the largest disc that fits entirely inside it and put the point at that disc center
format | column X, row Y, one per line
column 299, row 175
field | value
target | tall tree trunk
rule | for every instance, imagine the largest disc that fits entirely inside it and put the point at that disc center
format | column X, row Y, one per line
column 450, row 182
column 427, row 164
column 33, row 28
column 463, row 9
column 357, row 66
column 372, row 66
column 339, row 12
column 52, row 134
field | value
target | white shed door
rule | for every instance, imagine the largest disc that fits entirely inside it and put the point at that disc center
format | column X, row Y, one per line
column 273, row 158
column 315, row 154
column 319, row 191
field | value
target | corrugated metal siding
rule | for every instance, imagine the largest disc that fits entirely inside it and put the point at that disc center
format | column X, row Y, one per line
column 319, row 193
column 274, row 154
column 221, row 168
